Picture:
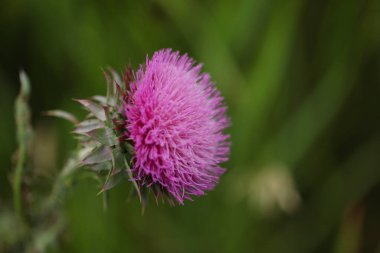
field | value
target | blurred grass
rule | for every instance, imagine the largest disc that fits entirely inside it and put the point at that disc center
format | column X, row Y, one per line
column 301, row 79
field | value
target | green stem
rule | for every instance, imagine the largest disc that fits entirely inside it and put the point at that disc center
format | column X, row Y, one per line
column 60, row 184
column 17, row 180
column 22, row 123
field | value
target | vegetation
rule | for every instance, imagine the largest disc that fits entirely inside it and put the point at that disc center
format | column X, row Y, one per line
column 301, row 79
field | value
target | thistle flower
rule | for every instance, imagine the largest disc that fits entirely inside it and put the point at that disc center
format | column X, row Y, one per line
column 175, row 118
column 162, row 130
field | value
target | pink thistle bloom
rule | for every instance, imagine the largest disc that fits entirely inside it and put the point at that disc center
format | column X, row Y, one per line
column 175, row 118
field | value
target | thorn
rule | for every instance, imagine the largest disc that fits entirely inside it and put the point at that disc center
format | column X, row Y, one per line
column 101, row 191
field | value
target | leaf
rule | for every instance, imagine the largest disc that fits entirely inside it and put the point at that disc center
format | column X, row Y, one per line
column 62, row 114
column 99, row 155
column 93, row 107
column 129, row 148
column 119, row 159
column 129, row 172
column 114, row 180
column 100, row 167
column 104, row 135
column 103, row 100
column 115, row 76
column 88, row 125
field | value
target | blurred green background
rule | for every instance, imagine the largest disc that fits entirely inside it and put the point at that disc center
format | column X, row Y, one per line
column 301, row 79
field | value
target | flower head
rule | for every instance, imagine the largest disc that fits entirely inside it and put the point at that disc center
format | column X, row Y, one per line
column 175, row 118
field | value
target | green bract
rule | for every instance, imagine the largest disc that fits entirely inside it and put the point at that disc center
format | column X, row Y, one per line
column 106, row 151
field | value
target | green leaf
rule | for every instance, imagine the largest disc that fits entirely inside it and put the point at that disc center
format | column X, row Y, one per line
column 129, row 148
column 103, row 100
column 62, row 114
column 99, row 155
column 100, row 167
column 93, row 107
column 114, row 180
column 119, row 159
column 88, row 125
column 129, row 173
column 115, row 76
column 105, row 136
